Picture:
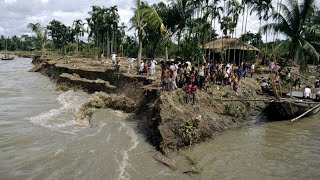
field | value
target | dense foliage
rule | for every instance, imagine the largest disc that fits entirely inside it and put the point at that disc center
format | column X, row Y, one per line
column 181, row 28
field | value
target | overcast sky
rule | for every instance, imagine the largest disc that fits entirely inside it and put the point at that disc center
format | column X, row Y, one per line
column 15, row 15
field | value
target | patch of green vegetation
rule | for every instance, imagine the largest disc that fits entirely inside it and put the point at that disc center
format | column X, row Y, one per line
column 189, row 133
column 227, row 108
column 195, row 169
column 238, row 110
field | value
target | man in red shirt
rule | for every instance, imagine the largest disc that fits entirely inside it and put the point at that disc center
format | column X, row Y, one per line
column 190, row 92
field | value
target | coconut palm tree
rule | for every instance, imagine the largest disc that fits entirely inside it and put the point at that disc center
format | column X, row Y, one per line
column 216, row 12
column 151, row 18
column 263, row 8
column 138, row 24
column 41, row 36
column 183, row 16
column 95, row 23
column 79, row 30
column 114, row 18
column 267, row 9
column 226, row 25
column 246, row 5
column 292, row 23
column 234, row 10
column 122, row 35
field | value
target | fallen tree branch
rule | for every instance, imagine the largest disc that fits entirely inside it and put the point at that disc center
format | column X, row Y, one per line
column 171, row 166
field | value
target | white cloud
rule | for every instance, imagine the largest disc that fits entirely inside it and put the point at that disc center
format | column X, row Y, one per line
column 10, row 1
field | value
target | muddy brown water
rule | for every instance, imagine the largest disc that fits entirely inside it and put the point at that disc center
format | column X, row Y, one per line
column 39, row 139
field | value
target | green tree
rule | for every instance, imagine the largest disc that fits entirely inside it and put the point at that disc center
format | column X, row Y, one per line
column 263, row 8
column 234, row 10
column 216, row 12
column 61, row 35
column 292, row 22
column 78, row 28
column 41, row 36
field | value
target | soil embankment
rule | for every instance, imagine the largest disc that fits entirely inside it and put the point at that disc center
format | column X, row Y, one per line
column 165, row 118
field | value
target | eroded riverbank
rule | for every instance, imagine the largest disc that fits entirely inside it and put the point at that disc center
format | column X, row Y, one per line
column 166, row 120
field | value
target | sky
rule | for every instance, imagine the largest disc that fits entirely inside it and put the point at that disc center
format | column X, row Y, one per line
column 15, row 15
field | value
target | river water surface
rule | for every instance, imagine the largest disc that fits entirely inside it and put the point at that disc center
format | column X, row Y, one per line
column 39, row 139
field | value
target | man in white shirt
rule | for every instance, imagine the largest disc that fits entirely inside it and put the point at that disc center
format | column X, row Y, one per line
column 153, row 67
column 130, row 64
column 252, row 69
column 307, row 92
column 189, row 66
column 141, row 68
column 114, row 58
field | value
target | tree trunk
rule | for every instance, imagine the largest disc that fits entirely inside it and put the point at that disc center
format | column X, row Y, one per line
column 108, row 43
column 179, row 38
column 77, row 37
column 98, row 45
column 245, row 29
column 267, row 40
column 103, row 44
column 240, row 54
column 112, row 42
column 115, row 43
column 214, row 27
column 260, row 32
column 167, row 53
column 234, row 50
column 210, row 34
column 139, row 35
column 140, row 53
column 229, row 47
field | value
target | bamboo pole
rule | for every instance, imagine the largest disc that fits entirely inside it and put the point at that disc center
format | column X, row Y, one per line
column 302, row 115
column 270, row 100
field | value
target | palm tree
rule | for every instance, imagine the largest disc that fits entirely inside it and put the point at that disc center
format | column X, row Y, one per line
column 95, row 24
column 79, row 30
column 41, row 36
column 292, row 22
column 122, row 35
column 216, row 12
column 234, row 9
column 226, row 25
column 246, row 5
column 268, row 9
column 152, row 19
column 263, row 8
column 138, row 25
column 183, row 15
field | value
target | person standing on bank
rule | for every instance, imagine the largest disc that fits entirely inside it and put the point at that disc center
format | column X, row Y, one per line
column 130, row 64
column 307, row 92
column 252, row 69
column 153, row 63
column 113, row 58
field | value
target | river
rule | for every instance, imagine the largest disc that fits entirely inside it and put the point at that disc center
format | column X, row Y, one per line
column 39, row 139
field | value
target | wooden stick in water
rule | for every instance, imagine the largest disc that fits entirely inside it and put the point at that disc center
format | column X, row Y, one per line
column 302, row 115
column 242, row 99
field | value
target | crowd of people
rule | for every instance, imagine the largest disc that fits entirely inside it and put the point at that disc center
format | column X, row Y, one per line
column 192, row 78
column 177, row 74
